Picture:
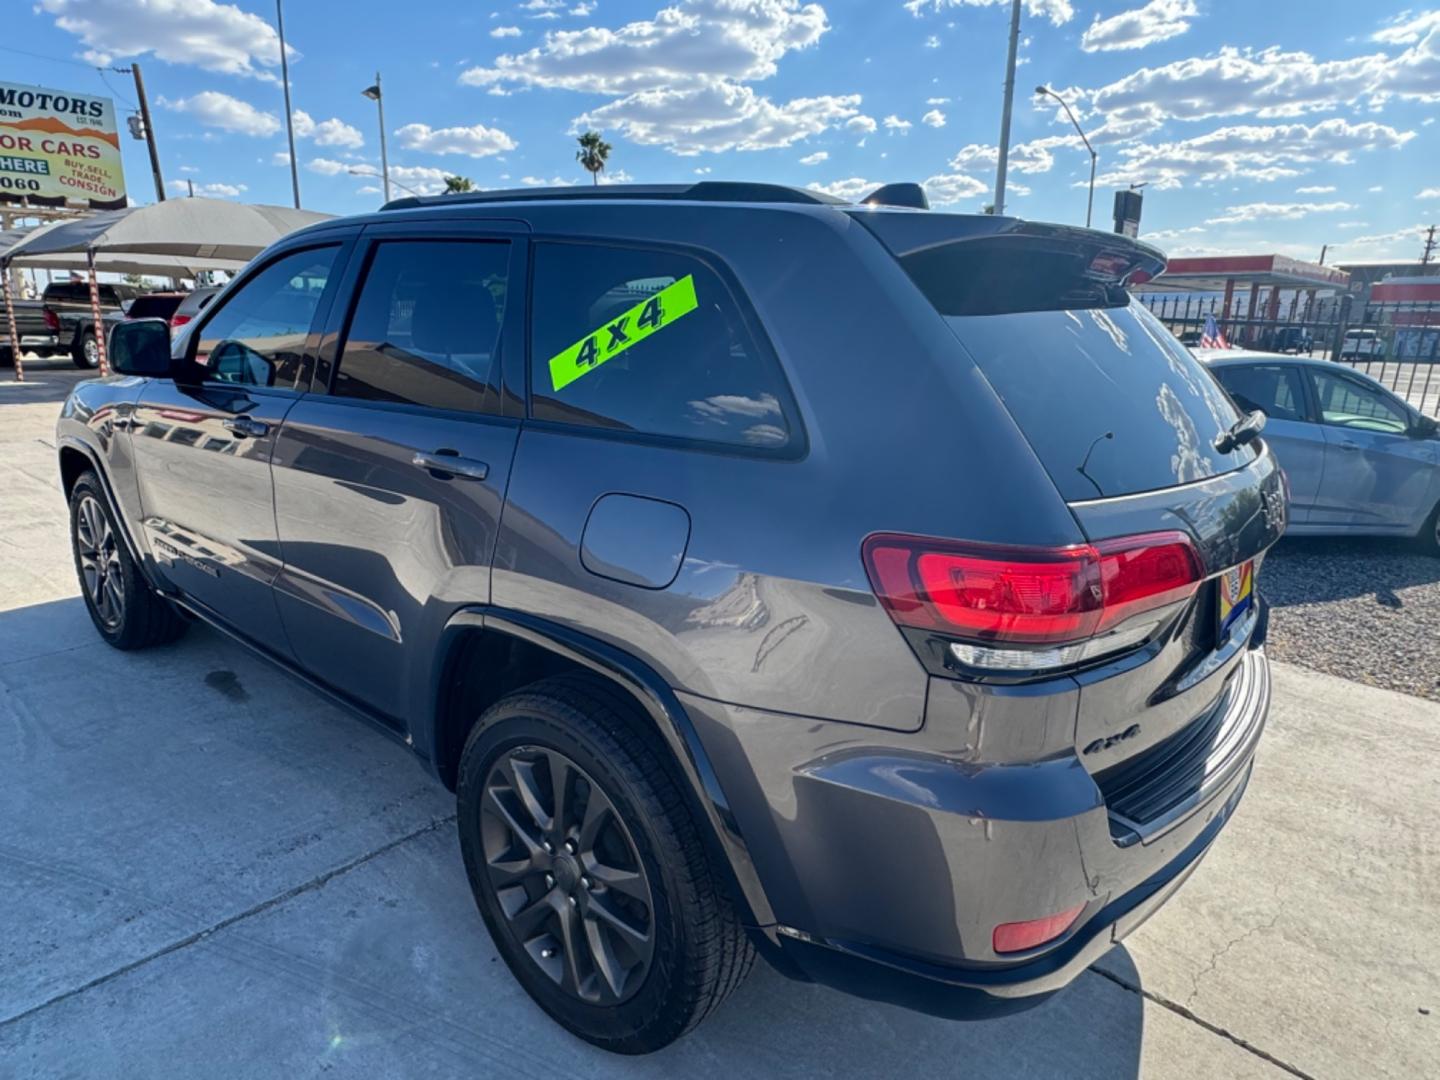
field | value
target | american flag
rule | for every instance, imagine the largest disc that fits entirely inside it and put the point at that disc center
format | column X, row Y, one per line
column 1213, row 337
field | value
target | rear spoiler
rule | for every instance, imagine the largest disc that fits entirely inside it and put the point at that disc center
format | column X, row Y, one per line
column 979, row 264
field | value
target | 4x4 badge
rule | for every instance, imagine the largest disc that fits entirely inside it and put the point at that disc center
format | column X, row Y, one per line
column 626, row 329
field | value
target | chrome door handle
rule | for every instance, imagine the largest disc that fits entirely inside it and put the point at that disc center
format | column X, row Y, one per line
column 1350, row 446
column 451, row 463
column 245, row 427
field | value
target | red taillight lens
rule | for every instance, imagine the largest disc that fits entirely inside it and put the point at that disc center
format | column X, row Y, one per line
column 1028, row 595
column 177, row 321
column 1013, row 937
column 52, row 321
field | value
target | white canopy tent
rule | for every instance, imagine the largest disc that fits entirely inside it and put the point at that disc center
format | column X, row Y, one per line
column 178, row 237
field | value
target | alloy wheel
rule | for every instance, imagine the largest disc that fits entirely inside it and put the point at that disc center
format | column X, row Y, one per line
column 99, row 553
column 91, row 350
column 567, row 875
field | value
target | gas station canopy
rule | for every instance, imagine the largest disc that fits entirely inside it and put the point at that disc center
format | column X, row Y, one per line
column 1219, row 273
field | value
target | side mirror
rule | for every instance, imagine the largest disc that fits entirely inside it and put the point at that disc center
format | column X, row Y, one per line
column 141, row 347
column 1424, row 428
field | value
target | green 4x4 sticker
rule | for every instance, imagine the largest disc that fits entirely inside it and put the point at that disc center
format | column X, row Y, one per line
column 628, row 328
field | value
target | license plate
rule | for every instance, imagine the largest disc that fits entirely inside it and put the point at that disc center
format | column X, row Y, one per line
column 1237, row 595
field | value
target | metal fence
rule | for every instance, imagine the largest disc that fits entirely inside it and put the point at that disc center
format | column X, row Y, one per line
column 1396, row 344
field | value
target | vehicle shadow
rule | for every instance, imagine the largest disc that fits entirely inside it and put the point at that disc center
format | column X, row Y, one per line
column 1310, row 570
column 46, row 380
column 223, row 800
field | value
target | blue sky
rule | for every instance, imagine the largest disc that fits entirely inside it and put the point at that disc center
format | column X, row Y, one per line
column 1257, row 125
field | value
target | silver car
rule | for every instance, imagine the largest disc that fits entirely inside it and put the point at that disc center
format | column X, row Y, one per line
column 1360, row 460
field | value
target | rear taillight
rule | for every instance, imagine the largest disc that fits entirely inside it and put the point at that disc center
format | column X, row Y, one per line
column 1048, row 602
column 177, row 321
column 1019, row 936
column 52, row 321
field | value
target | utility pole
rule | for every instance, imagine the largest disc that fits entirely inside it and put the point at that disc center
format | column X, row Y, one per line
column 375, row 94
column 1323, row 249
column 149, row 132
column 192, row 186
column 1429, row 252
column 289, row 116
column 1005, row 111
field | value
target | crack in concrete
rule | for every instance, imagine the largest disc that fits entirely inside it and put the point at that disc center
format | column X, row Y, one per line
column 314, row 883
column 1216, row 956
column 1215, row 1029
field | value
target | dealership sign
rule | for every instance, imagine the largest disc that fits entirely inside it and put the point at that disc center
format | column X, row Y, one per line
column 55, row 144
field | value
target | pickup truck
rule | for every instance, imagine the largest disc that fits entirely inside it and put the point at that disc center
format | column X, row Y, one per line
column 67, row 309
column 36, row 334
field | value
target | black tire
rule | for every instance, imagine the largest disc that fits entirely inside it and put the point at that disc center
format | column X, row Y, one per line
column 699, row 951
column 1429, row 538
column 125, row 610
column 83, row 352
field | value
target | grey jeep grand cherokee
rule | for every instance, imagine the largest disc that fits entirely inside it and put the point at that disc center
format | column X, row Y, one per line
column 866, row 587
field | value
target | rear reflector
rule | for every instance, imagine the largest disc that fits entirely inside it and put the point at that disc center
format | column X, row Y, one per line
column 1040, row 596
column 1014, row 937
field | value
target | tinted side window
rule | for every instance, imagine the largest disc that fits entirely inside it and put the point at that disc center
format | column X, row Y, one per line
column 257, row 336
column 648, row 341
column 1275, row 389
column 1352, row 404
column 426, row 328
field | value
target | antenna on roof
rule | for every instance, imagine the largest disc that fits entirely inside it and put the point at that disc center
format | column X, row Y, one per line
column 906, row 194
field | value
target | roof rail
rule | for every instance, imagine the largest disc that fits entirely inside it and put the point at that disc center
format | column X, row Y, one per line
column 705, row 191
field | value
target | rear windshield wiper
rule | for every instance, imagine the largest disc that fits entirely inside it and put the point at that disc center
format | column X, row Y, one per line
column 1240, row 432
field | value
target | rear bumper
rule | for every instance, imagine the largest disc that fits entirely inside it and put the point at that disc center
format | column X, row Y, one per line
column 977, row 993
column 889, row 858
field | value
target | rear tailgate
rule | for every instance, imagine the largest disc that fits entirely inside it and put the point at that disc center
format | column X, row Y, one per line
column 1125, row 420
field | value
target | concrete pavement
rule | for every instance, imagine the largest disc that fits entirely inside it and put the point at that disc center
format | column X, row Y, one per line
column 206, row 870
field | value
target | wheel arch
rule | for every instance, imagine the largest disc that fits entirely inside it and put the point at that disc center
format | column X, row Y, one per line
column 486, row 653
column 75, row 459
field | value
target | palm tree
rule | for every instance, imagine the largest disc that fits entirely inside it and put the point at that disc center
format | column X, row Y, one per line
column 592, row 153
column 458, row 185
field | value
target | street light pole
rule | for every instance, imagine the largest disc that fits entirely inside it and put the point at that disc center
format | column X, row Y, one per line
column 1045, row 91
column 403, row 187
column 374, row 94
column 289, row 114
column 1004, row 158
column 149, row 132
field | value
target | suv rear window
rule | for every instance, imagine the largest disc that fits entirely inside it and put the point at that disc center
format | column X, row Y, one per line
column 1111, row 403
column 154, row 307
column 652, row 342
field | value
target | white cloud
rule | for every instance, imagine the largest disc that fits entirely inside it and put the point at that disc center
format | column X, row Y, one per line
column 542, row 5
column 937, row 101
column 717, row 117
column 330, row 167
column 554, row 181
column 209, row 191
column 1058, row 12
column 1275, row 211
column 820, row 155
column 1407, row 29
column 932, row 42
column 950, row 188
column 217, row 110
column 1031, row 157
column 935, row 118
column 1268, row 83
column 1250, row 152
column 505, row 31
column 477, row 141
column 582, row 9
column 1376, row 188
column 332, row 132
column 280, row 157
column 852, row 189
column 1158, row 20
column 694, row 42
column 894, row 123
column 216, row 37
column 1429, row 193
column 861, row 123
column 1315, row 189
column 678, row 78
